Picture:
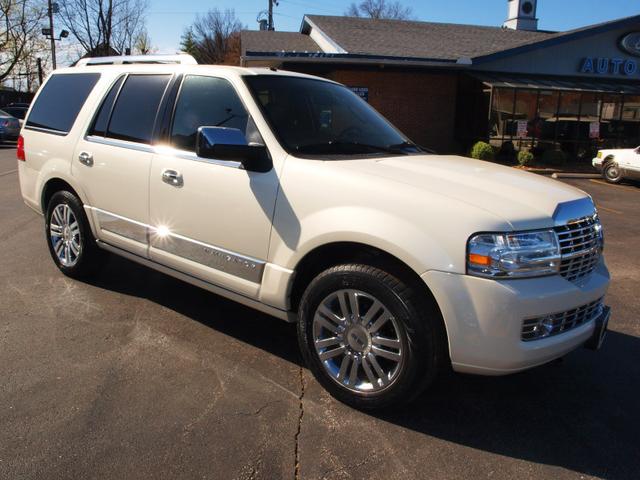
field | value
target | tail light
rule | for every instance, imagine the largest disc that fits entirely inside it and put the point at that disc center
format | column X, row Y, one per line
column 20, row 149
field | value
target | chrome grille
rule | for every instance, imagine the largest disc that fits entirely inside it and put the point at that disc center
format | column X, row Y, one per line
column 580, row 245
column 553, row 324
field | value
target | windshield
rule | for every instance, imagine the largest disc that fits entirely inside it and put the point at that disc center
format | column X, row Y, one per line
column 314, row 117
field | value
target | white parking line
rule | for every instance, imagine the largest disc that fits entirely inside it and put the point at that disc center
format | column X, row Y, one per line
column 9, row 172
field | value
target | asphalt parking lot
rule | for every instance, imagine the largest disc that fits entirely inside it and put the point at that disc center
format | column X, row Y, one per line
column 137, row 375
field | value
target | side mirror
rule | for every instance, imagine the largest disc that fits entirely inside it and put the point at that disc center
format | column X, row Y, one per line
column 637, row 150
column 220, row 143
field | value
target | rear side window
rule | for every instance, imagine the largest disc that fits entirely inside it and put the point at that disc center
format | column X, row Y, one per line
column 205, row 101
column 102, row 119
column 135, row 110
column 60, row 100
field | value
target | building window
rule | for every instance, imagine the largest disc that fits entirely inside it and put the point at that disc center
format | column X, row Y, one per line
column 631, row 121
column 547, row 115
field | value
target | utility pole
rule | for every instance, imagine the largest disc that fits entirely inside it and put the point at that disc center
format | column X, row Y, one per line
column 270, row 17
column 53, row 40
column 39, row 65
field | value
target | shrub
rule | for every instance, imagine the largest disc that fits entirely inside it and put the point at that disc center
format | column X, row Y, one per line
column 554, row 157
column 482, row 151
column 525, row 157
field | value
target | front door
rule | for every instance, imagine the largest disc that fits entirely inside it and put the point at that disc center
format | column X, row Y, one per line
column 114, row 160
column 212, row 218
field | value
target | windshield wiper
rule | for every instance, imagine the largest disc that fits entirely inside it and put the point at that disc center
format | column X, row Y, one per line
column 406, row 145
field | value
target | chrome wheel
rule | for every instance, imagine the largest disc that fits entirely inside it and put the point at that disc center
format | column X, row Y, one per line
column 358, row 341
column 612, row 172
column 64, row 232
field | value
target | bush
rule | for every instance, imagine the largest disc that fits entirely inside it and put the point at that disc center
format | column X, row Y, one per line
column 554, row 157
column 482, row 151
column 525, row 157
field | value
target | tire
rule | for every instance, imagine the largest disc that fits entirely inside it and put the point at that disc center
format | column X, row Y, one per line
column 612, row 173
column 406, row 320
column 68, row 234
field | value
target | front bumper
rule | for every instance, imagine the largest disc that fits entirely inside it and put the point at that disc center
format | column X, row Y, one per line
column 597, row 163
column 483, row 318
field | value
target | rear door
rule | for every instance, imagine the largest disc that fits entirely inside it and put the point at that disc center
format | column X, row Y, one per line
column 113, row 160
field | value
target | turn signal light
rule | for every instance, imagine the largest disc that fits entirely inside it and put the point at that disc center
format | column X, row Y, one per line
column 479, row 259
column 20, row 149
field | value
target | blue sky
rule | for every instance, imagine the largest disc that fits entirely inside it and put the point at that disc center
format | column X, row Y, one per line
column 167, row 18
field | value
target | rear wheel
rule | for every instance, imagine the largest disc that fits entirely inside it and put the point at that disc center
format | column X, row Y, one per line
column 71, row 243
column 369, row 339
column 612, row 173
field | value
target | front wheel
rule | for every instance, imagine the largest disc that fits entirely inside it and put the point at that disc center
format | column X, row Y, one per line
column 612, row 173
column 71, row 243
column 370, row 339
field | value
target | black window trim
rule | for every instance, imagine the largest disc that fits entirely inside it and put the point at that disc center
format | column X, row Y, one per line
column 96, row 112
column 52, row 131
column 117, row 142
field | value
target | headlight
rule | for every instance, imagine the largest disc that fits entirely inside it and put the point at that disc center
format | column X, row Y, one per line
column 513, row 255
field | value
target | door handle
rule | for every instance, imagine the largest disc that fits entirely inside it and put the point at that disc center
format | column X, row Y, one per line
column 86, row 159
column 172, row 178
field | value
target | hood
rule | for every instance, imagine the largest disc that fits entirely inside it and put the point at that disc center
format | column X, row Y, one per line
column 524, row 200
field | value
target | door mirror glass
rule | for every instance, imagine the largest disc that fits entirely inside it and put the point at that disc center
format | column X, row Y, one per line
column 220, row 143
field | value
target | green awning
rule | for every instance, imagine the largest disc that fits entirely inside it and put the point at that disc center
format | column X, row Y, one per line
column 558, row 83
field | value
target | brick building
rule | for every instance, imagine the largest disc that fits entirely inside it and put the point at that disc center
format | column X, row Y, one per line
column 448, row 85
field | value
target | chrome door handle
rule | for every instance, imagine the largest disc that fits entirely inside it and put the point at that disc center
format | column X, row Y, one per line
column 86, row 159
column 172, row 178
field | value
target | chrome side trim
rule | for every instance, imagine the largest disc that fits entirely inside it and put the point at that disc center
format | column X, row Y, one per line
column 248, row 268
column 223, row 292
column 217, row 258
column 569, row 212
column 140, row 147
column 187, row 155
column 119, row 225
column 46, row 130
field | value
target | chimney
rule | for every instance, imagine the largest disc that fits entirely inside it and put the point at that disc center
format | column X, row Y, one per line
column 522, row 15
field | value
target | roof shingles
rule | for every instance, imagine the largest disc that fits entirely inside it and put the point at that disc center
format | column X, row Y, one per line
column 442, row 41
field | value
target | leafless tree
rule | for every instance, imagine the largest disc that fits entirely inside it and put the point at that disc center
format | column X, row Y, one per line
column 102, row 26
column 380, row 9
column 19, row 25
column 214, row 38
column 142, row 44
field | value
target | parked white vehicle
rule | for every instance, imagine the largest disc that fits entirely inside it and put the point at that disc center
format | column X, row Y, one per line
column 290, row 194
column 618, row 164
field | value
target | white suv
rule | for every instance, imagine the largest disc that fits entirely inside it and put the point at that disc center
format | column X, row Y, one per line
column 290, row 194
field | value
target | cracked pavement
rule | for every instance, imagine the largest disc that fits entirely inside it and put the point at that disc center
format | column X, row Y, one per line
column 137, row 375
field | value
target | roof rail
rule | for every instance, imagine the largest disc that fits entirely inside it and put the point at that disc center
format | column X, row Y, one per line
column 181, row 58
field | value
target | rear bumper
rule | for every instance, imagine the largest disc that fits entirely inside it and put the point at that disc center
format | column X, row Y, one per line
column 484, row 318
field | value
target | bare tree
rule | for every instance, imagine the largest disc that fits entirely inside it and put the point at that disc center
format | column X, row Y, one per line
column 142, row 44
column 380, row 9
column 102, row 26
column 214, row 38
column 19, row 22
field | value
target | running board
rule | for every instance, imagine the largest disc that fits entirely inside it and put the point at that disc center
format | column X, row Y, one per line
column 223, row 292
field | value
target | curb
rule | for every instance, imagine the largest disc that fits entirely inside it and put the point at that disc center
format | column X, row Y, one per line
column 576, row 175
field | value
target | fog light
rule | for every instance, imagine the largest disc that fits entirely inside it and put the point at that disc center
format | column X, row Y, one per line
column 543, row 327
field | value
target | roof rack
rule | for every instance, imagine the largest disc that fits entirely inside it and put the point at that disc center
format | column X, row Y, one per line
column 182, row 59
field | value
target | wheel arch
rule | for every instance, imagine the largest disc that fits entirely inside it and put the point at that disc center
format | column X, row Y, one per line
column 331, row 254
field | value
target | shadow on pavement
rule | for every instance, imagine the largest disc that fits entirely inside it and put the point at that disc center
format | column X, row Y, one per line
column 581, row 414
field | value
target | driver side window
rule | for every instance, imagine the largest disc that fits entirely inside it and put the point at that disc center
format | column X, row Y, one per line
column 210, row 102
